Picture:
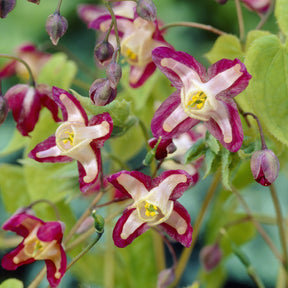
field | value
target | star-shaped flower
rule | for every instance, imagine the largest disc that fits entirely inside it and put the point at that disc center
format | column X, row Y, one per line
column 154, row 205
column 200, row 96
column 42, row 241
column 76, row 138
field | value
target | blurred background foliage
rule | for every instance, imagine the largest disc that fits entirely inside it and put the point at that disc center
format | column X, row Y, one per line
column 26, row 23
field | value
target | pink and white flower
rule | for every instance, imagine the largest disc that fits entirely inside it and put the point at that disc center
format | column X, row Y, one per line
column 76, row 138
column 154, row 205
column 42, row 241
column 200, row 96
column 260, row 6
column 138, row 38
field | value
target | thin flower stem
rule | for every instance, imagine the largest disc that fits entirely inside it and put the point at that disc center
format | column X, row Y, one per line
column 32, row 80
column 260, row 128
column 38, row 279
column 58, row 6
column 259, row 228
column 83, row 217
column 280, row 224
column 240, row 20
column 193, row 25
column 84, row 251
column 53, row 206
column 196, row 229
column 107, row 4
column 266, row 16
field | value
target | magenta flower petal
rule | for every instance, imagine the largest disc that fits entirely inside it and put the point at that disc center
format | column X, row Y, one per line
column 118, row 240
column 178, row 225
column 181, row 124
column 201, row 96
column 42, row 241
column 154, row 204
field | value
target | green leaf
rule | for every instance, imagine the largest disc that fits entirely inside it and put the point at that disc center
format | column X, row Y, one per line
column 197, row 149
column 226, row 160
column 281, row 13
column 253, row 35
column 267, row 93
column 58, row 71
column 226, row 46
column 214, row 278
column 16, row 143
column 213, row 144
column 210, row 156
column 12, row 283
column 13, row 187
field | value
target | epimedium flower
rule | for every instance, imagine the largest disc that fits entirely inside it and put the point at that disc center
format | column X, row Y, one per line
column 138, row 38
column 260, row 6
column 26, row 102
column 154, row 205
column 76, row 138
column 201, row 96
column 35, row 59
column 42, row 241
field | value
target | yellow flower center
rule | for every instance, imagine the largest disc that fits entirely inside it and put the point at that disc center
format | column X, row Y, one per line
column 130, row 54
column 151, row 210
column 70, row 138
column 38, row 247
column 196, row 100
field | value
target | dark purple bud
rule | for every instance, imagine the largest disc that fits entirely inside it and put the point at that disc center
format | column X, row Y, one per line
column 3, row 109
column 6, row 6
column 101, row 92
column 264, row 166
column 210, row 256
column 166, row 278
column 103, row 51
column 221, row 1
column 163, row 148
column 35, row 1
column 56, row 26
column 146, row 9
column 114, row 73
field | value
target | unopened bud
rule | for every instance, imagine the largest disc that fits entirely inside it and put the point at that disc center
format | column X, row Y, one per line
column 114, row 74
column 6, row 6
column 166, row 278
column 56, row 26
column 101, row 92
column 210, row 256
column 99, row 222
column 35, row 1
column 103, row 51
column 221, row 1
column 264, row 166
column 3, row 109
column 146, row 9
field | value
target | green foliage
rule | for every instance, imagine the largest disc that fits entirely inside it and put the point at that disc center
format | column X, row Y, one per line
column 58, row 71
column 12, row 283
column 267, row 92
column 214, row 278
column 226, row 46
column 281, row 13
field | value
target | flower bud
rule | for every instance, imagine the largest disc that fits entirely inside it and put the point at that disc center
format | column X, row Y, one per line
column 103, row 51
column 210, row 256
column 3, row 109
column 99, row 222
column 166, row 277
column 35, row 1
column 6, row 6
column 146, row 9
column 114, row 73
column 56, row 26
column 221, row 1
column 101, row 92
column 264, row 166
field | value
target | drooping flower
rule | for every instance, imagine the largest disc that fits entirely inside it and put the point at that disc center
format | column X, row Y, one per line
column 26, row 101
column 154, row 205
column 42, row 241
column 76, row 138
column 138, row 38
column 200, row 96
column 260, row 6
column 210, row 256
column 32, row 56
column 264, row 166
column 89, row 12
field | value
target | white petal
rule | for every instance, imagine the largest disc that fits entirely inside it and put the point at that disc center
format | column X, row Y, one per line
column 51, row 152
column 133, row 186
column 74, row 114
column 132, row 223
column 177, row 222
column 175, row 118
